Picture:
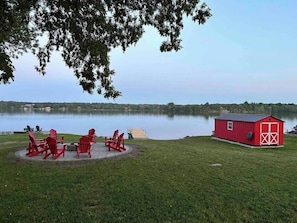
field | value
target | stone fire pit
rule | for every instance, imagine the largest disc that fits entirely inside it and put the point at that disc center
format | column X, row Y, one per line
column 71, row 146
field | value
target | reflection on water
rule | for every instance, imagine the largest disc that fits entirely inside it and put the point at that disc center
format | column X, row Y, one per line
column 155, row 126
column 290, row 120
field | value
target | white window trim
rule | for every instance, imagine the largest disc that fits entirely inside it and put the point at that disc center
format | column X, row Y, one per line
column 230, row 125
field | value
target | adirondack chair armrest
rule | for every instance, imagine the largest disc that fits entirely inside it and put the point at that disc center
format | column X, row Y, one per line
column 107, row 141
column 41, row 140
column 41, row 144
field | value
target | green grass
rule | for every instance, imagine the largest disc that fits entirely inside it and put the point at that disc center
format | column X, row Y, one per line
column 163, row 181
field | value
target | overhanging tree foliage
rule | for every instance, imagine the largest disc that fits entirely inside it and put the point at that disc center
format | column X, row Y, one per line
column 85, row 31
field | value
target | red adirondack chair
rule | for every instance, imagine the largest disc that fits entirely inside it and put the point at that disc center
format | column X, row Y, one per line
column 92, row 136
column 118, row 144
column 84, row 146
column 108, row 140
column 36, row 146
column 55, row 149
column 53, row 134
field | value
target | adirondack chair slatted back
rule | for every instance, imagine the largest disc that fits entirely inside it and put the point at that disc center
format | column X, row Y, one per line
column 120, row 140
column 52, row 144
column 115, row 135
column 29, row 129
column 34, row 148
column 32, row 140
column 112, row 139
column 84, row 146
column 38, row 129
column 92, row 132
column 92, row 135
column 53, row 134
column 55, row 150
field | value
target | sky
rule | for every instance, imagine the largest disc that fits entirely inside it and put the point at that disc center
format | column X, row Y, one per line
column 246, row 52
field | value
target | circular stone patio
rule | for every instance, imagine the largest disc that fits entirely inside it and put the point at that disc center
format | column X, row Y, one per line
column 98, row 151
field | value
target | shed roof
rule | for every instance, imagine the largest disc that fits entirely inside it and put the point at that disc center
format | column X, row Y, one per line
column 242, row 117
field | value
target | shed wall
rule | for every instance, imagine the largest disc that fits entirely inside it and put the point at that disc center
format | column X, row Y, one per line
column 237, row 134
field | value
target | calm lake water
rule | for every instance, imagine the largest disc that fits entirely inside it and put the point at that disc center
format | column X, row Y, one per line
column 155, row 126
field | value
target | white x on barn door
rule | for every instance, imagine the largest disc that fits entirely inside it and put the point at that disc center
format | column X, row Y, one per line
column 269, row 133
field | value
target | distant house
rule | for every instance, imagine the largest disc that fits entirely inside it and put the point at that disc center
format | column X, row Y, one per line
column 250, row 129
column 48, row 109
column 28, row 107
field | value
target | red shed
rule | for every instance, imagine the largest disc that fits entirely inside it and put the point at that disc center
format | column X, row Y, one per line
column 250, row 129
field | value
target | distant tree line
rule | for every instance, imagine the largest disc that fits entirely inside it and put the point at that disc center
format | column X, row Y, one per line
column 170, row 109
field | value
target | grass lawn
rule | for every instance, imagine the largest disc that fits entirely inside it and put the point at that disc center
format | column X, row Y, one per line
column 162, row 181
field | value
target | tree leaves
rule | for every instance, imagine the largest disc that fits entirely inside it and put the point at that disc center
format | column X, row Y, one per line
column 85, row 31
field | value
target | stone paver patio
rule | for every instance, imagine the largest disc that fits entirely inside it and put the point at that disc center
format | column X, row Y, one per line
column 98, row 151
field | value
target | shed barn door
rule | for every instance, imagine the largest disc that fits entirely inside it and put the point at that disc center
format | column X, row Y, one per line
column 269, row 133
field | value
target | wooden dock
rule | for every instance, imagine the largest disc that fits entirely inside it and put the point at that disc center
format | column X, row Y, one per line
column 137, row 134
